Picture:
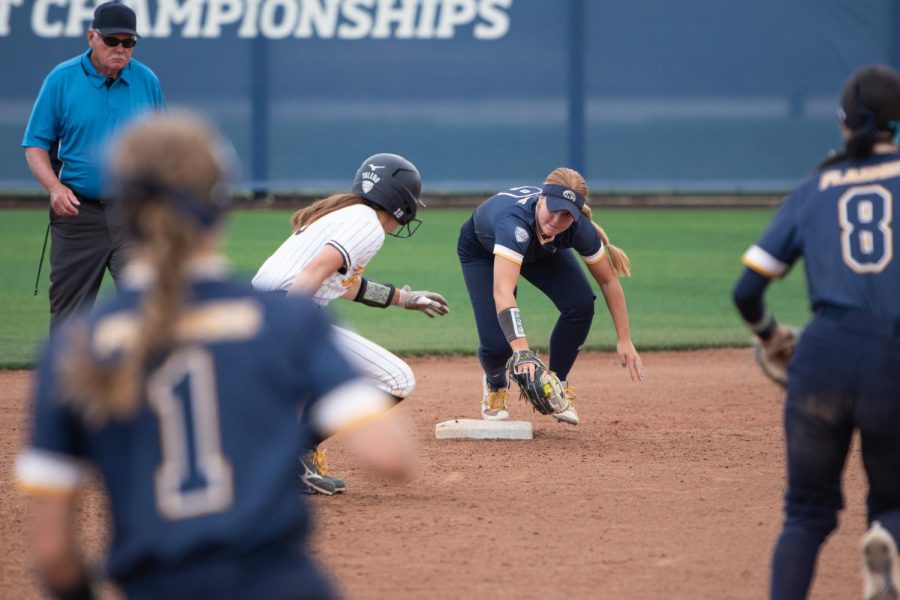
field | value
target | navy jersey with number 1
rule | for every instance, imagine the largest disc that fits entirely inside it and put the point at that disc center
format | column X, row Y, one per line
column 204, row 474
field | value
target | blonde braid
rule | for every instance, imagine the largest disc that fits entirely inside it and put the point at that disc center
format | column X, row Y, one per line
column 180, row 153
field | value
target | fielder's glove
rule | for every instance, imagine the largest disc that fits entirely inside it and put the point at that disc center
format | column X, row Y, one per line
column 774, row 360
column 543, row 390
column 430, row 303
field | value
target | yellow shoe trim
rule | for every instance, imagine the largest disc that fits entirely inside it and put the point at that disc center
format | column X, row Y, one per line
column 320, row 461
column 497, row 400
column 570, row 394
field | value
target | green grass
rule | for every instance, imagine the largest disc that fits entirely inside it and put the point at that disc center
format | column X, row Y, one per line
column 684, row 263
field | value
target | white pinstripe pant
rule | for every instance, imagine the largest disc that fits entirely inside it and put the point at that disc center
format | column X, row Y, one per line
column 386, row 369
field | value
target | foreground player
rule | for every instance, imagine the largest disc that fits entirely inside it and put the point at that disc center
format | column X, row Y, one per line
column 183, row 392
column 527, row 231
column 845, row 371
column 332, row 242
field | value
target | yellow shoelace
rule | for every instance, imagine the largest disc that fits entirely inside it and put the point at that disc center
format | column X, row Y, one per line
column 497, row 400
column 570, row 394
column 320, row 461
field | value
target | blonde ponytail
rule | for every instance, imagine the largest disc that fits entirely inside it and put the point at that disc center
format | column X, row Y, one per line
column 619, row 261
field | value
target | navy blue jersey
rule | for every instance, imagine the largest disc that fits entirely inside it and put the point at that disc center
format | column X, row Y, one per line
column 208, row 464
column 505, row 225
column 841, row 221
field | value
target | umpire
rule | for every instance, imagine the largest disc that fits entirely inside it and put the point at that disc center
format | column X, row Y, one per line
column 82, row 103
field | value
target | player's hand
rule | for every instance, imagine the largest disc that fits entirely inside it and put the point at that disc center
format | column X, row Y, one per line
column 430, row 303
column 630, row 360
column 64, row 202
column 781, row 336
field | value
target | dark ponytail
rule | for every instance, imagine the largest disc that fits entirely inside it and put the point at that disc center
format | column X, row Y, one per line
column 870, row 109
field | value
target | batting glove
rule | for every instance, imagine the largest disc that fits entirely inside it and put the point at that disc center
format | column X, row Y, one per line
column 430, row 303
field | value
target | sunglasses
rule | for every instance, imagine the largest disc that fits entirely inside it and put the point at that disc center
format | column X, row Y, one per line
column 113, row 42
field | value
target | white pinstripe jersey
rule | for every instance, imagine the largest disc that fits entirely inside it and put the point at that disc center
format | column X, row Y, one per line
column 353, row 231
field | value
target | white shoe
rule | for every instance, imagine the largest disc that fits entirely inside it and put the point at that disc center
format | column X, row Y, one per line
column 879, row 558
column 569, row 415
column 493, row 402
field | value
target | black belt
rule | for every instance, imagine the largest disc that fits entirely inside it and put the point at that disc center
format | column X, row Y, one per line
column 83, row 198
column 861, row 321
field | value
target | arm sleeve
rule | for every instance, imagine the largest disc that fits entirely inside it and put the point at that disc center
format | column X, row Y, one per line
column 748, row 298
column 43, row 126
column 52, row 462
column 512, row 238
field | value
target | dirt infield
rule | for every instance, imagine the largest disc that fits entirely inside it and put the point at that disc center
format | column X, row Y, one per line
column 668, row 489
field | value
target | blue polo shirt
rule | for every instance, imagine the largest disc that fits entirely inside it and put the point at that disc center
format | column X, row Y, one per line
column 76, row 107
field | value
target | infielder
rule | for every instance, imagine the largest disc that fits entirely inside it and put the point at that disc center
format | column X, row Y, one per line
column 845, row 370
column 527, row 231
column 152, row 389
column 332, row 242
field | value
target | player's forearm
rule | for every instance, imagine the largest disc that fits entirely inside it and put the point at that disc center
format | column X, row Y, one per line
column 38, row 161
column 618, row 310
column 352, row 289
column 748, row 298
column 56, row 556
column 504, row 299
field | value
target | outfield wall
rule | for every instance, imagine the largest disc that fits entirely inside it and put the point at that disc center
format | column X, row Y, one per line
column 643, row 95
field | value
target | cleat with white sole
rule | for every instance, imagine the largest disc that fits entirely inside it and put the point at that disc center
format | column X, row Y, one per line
column 881, row 576
column 493, row 402
column 569, row 415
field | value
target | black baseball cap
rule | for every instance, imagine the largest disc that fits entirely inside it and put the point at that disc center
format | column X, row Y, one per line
column 560, row 197
column 114, row 17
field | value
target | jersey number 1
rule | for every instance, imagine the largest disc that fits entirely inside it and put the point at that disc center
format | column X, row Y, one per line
column 867, row 240
column 194, row 478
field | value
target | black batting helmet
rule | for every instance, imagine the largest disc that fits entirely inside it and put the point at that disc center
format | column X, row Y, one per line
column 393, row 183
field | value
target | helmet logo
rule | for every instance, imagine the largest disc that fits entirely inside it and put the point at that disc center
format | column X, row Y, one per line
column 375, row 167
column 398, row 213
column 367, row 186
column 569, row 195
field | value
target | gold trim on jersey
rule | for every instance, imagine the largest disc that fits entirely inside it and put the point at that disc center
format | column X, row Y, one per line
column 347, row 404
column 508, row 254
column 220, row 320
column 596, row 257
column 764, row 263
column 45, row 472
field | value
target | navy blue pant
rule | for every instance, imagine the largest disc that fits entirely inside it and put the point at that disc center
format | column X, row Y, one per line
column 280, row 572
column 845, row 375
column 559, row 276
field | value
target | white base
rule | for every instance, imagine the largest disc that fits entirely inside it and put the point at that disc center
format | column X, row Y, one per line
column 480, row 429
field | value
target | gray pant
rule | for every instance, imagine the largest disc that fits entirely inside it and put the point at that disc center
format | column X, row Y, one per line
column 81, row 249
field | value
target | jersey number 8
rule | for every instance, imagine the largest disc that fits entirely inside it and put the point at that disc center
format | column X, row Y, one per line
column 867, row 240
